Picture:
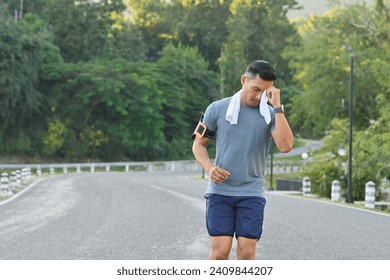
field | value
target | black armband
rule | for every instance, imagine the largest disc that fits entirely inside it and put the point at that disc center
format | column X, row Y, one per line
column 201, row 130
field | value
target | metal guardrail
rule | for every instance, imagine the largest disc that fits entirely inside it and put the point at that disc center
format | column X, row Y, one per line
column 126, row 166
column 182, row 165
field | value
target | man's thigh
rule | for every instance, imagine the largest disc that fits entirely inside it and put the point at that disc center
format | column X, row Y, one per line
column 249, row 217
column 220, row 215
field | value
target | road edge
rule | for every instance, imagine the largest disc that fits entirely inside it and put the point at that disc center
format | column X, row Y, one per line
column 22, row 191
column 328, row 202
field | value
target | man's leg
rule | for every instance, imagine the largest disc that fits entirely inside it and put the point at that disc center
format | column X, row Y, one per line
column 249, row 225
column 246, row 248
column 220, row 221
column 220, row 247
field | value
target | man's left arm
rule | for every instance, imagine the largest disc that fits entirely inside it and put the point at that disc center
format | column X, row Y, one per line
column 282, row 134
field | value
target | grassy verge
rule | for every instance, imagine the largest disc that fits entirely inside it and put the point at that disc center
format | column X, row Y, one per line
column 356, row 204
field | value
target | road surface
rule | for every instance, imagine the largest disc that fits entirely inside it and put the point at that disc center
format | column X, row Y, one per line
column 310, row 146
column 146, row 216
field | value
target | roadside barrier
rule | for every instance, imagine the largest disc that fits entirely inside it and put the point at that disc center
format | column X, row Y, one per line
column 4, row 190
column 14, row 182
column 18, row 177
column 11, row 184
column 306, row 186
column 335, row 195
column 370, row 195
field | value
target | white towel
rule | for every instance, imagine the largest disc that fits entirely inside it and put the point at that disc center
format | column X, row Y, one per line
column 264, row 109
column 234, row 108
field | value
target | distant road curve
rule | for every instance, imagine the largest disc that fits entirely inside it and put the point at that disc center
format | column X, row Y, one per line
column 310, row 145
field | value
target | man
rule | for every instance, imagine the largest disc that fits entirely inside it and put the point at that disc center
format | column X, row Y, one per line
column 243, row 125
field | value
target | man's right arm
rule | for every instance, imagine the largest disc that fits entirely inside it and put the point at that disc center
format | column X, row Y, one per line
column 199, row 148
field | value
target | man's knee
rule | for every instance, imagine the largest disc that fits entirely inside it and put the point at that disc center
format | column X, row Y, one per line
column 246, row 249
column 219, row 255
column 220, row 247
column 246, row 253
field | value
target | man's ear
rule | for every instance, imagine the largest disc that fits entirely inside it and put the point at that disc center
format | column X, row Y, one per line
column 243, row 79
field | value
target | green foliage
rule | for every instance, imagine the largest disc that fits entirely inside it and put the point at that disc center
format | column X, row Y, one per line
column 259, row 30
column 370, row 159
column 126, row 42
column 109, row 101
column 322, row 68
column 157, row 20
column 328, row 164
column 203, row 26
column 82, row 29
column 188, row 87
column 23, row 48
column 127, row 80
column 323, row 73
column 55, row 137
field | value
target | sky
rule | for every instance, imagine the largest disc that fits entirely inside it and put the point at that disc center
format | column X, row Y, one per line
column 318, row 7
column 310, row 7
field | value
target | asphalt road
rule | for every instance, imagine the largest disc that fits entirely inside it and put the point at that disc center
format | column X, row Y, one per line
column 146, row 216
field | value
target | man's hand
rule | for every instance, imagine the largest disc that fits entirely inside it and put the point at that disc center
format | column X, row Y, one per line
column 273, row 95
column 218, row 174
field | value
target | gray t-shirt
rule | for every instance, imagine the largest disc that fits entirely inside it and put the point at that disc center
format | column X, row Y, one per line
column 242, row 149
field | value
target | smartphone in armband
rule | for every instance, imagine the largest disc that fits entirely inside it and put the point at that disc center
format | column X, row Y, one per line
column 201, row 130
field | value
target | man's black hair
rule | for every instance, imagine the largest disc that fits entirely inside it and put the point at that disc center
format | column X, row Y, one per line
column 263, row 68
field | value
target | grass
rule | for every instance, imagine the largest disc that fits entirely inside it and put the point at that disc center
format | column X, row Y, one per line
column 356, row 204
column 296, row 158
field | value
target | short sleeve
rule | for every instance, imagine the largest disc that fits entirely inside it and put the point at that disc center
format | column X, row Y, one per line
column 209, row 118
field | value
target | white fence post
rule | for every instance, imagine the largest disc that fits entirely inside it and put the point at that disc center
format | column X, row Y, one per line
column 39, row 171
column 4, row 190
column 13, row 181
column 370, row 195
column 24, row 176
column 335, row 195
column 306, row 186
column 18, row 177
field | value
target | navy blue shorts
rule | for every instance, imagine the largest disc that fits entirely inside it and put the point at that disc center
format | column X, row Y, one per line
column 241, row 216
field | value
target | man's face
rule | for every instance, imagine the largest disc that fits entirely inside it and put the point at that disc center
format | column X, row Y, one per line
column 252, row 90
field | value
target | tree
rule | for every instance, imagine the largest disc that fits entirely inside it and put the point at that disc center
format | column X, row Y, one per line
column 24, row 48
column 115, row 104
column 156, row 19
column 126, row 42
column 328, row 164
column 322, row 68
column 81, row 28
column 371, row 155
column 204, row 27
column 187, row 87
column 257, row 30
